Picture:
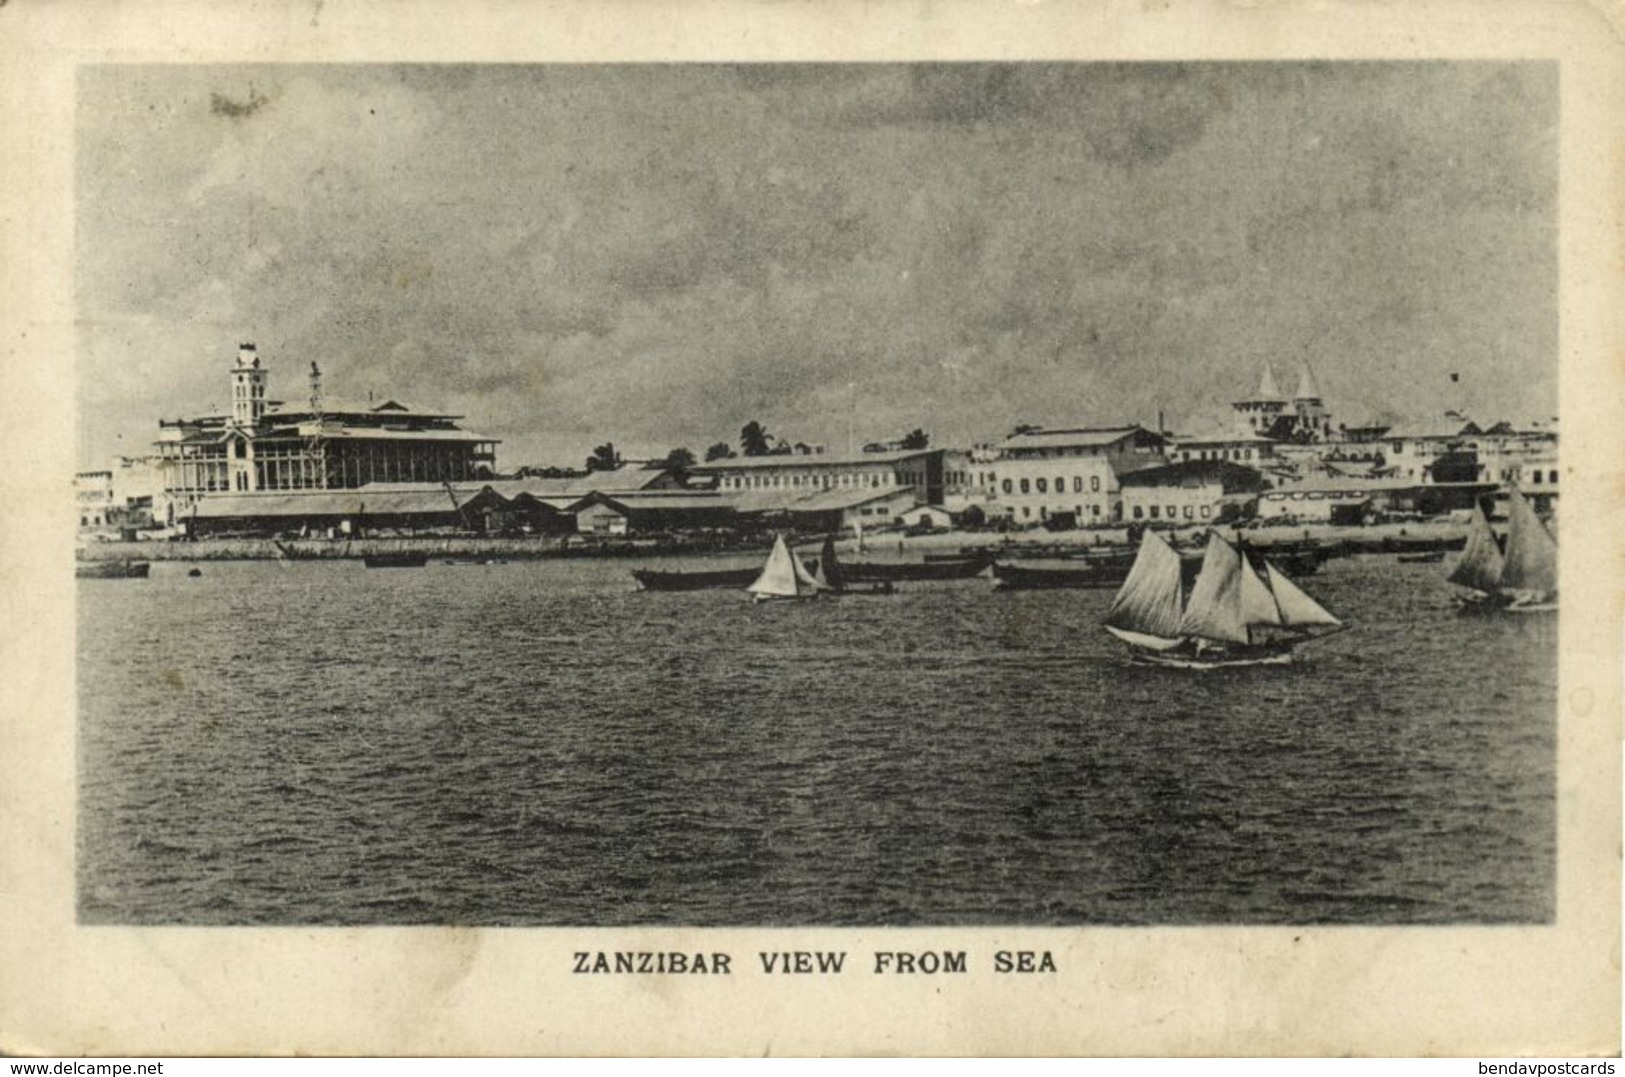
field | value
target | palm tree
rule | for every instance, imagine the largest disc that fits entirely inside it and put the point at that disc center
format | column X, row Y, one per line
column 604, row 458
column 754, row 440
column 677, row 460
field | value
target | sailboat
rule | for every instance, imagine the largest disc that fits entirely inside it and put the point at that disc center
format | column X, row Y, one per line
column 1523, row 579
column 784, row 576
column 1237, row 613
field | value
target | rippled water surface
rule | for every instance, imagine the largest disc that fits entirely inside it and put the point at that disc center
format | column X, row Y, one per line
column 537, row 743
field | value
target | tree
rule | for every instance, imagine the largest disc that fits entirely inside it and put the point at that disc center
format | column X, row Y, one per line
column 1025, row 428
column 753, row 439
column 604, row 458
column 720, row 451
column 677, row 460
column 915, row 439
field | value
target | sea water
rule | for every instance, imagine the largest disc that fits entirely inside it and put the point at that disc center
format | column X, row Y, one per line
column 538, row 743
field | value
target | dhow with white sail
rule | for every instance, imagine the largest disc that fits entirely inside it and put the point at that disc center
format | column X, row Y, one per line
column 1237, row 614
column 784, row 576
column 1523, row 578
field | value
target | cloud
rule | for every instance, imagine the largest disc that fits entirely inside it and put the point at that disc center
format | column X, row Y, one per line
column 648, row 253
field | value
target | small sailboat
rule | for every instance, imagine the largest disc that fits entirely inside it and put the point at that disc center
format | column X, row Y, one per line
column 784, row 576
column 1523, row 578
column 1237, row 613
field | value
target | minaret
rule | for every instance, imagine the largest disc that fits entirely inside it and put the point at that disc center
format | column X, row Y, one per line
column 247, row 388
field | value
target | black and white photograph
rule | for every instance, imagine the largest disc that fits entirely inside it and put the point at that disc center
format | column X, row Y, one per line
column 660, row 508
column 818, row 494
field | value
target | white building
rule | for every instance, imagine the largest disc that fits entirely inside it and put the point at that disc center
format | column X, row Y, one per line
column 1045, row 473
column 794, row 475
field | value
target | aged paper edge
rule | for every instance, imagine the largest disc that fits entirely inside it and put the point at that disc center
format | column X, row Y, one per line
column 1550, row 989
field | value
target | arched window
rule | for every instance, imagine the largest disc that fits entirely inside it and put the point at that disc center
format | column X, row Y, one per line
column 1043, row 486
column 1007, row 486
column 1026, row 487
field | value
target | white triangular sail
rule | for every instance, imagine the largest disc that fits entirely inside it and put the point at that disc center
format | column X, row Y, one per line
column 1258, row 605
column 1531, row 557
column 1297, row 608
column 1148, row 602
column 780, row 577
column 809, row 582
column 1481, row 562
column 1215, row 608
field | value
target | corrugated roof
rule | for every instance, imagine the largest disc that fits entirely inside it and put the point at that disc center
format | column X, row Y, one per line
column 1439, row 426
column 832, row 500
column 1219, row 435
column 325, row 503
column 1337, row 486
column 1079, row 437
column 657, row 501
column 334, row 406
column 368, row 433
column 1228, row 474
column 813, row 460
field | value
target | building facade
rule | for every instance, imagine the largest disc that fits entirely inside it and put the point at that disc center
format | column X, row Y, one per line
column 794, row 475
column 1071, row 474
column 266, row 446
column 1267, row 413
column 1191, row 493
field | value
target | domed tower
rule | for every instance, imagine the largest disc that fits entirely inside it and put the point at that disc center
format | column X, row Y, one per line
column 1257, row 414
column 247, row 388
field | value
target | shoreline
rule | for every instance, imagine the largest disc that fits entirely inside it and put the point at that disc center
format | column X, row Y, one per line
column 893, row 545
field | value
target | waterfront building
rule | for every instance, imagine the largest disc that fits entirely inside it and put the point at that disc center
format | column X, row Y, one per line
column 1416, row 449
column 1071, row 474
column 628, row 512
column 328, row 513
column 267, row 446
column 93, row 494
column 851, row 509
column 1335, row 501
column 1252, row 450
column 1191, row 492
column 795, row 475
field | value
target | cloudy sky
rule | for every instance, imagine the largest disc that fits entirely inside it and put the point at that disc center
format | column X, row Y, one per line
column 656, row 254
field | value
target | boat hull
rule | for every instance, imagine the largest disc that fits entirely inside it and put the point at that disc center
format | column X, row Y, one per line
column 1022, row 578
column 907, row 571
column 395, row 560
column 1477, row 602
column 1187, row 660
column 112, row 570
column 653, row 580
